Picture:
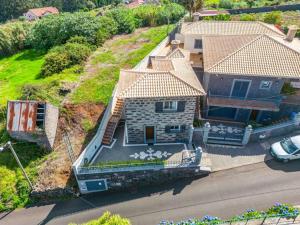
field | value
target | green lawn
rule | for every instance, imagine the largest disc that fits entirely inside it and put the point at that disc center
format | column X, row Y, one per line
column 23, row 69
column 122, row 52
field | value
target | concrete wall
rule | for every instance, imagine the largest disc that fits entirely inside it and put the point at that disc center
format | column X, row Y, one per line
column 127, row 179
column 141, row 112
column 51, row 121
column 281, row 129
column 189, row 41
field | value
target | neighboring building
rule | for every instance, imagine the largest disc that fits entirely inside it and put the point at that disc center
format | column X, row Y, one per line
column 242, row 67
column 37, row 13
column 32, row 121
column 208, row 13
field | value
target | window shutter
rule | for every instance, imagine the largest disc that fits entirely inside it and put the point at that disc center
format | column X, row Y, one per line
column 183, row 127
column 158, row 107
column 168, row 129
column 181, row 106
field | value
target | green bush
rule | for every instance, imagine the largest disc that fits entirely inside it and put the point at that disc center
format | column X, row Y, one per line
column 62, row 57
column 126, row 23
column 108, row 27
column 288, row 89
column 247, row 17
column 226, row 4
column 108, row 219
column 55, row 30
column 12, row 37
column 55, row 62
column 274, row 17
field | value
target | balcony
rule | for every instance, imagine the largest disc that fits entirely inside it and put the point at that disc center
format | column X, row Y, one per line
column 266, row 104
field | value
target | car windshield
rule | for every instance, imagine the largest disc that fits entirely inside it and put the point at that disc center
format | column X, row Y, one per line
column 288, row 146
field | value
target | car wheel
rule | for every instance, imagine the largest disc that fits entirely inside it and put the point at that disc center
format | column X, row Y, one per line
column 285, row 160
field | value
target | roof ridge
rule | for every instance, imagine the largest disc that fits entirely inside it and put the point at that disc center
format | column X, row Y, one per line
column 133, row 84
column 266, row 26
column 282, row 44
column 235, row 52
column 174, row 75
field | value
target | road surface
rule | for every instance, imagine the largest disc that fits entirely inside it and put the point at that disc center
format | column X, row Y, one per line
column 222, row 194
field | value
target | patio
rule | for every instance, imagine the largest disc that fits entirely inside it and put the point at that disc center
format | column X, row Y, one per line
column 119, row 152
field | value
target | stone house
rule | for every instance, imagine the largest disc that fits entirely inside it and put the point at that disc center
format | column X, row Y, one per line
column 37, row 13
column 242, row 67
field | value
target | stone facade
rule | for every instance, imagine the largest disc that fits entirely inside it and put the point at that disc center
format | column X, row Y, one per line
column 140, row 113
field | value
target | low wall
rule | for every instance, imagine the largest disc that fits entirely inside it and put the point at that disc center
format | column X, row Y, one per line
column 128, row 179
column 274, row 130
column 265, row 9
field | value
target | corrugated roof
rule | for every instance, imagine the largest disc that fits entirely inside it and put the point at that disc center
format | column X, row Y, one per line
column 229, row 28
column 263, row 56
column 139, row 84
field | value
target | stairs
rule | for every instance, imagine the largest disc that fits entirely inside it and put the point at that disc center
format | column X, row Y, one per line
column 113, row 122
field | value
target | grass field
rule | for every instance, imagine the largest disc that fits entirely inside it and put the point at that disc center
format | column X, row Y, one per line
column 24, row 68
column 122, row 52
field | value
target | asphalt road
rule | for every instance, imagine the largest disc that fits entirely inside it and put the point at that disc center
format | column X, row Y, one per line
column 221, row 194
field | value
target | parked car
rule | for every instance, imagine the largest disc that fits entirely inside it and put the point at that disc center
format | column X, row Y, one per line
column 287, row 149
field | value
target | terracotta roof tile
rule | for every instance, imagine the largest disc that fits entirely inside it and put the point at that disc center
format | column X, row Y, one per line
column 41, row 11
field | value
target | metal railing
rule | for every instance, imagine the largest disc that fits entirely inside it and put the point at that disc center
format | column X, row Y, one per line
column 134, row 166
column 275, row 99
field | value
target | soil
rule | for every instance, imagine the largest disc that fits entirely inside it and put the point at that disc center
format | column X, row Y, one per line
column 56, row 171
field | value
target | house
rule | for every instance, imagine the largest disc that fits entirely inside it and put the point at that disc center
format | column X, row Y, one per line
column 37, row 13
column 167, row 92
column 242, row 67
column 32, row 121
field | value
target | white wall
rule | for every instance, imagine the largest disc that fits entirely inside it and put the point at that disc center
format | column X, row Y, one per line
column 189, row 41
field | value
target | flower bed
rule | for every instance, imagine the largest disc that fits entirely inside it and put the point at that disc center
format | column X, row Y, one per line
column 278, row 210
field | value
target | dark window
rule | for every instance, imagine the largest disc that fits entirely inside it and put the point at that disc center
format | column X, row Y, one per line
column 40, row 116
column 175, row 128
column 198, row 44
column 158, row 107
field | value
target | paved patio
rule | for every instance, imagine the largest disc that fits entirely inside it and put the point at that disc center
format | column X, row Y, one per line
column 226, row 157
column 119, row 152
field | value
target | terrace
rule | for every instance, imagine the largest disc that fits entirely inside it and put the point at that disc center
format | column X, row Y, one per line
column 121, row 157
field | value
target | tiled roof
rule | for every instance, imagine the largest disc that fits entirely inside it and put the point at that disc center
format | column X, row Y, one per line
column 138, row 84
column 216, row 48
column 162, row 64
column 229, row 28
column 263, row 56
column 42, row 11
column 177, row 53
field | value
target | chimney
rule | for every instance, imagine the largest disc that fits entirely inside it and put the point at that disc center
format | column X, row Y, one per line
column 291, row 33
column 196, row 16
column 175, row 44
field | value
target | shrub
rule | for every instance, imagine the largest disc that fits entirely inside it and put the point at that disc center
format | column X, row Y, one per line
column 55, row 30
column 108, row 219
column 284, row 210
column 62, row 57
column 55, row 62
column 273, row 17
column 12, row 37
column 78, row 40
column 126, row 23
column 108, row 27
column 247, row 17
column 226, row 4
column 288, row 89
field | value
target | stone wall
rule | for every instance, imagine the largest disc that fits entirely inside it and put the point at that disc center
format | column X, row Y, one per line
column 129, row 179
column 141, row 112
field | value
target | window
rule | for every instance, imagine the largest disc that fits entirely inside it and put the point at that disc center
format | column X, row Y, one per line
column 170, row 106
column 198, row 44
column 175, row 128
column 40, row 116
column 265, row 85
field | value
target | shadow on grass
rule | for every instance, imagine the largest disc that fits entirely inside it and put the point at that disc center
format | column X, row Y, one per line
column 31, row 55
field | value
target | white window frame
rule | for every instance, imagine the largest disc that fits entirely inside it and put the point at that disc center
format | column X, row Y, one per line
column 175, row 128
column 168, row 109
column 262, row 84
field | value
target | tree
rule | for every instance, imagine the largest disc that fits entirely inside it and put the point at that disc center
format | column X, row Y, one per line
column 192, row 5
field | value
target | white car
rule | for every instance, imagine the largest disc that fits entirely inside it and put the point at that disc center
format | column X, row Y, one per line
column 287, row 149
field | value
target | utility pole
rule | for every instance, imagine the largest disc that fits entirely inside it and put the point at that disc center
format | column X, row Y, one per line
column 9, row 145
